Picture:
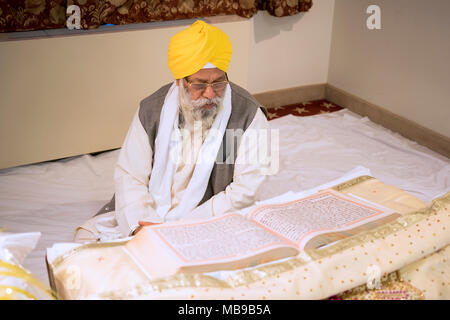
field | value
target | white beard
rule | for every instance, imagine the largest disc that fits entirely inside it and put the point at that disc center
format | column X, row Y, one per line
column 192, row 113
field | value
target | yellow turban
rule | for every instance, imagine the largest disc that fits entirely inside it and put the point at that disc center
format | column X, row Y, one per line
column 192, row 48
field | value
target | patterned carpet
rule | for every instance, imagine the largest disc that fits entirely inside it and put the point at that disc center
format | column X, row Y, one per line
column 303, row 109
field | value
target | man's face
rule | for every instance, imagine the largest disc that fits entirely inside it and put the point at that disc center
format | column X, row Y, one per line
column 205, row 76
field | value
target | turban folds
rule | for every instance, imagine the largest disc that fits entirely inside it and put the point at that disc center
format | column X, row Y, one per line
column 192, row 48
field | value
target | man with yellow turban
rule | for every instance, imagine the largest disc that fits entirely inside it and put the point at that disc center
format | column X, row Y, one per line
column 193, row 148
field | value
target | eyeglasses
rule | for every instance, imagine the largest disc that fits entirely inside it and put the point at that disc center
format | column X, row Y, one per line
column 218, row 86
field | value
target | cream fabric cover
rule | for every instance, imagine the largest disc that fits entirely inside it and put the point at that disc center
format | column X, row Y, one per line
column 105, row 271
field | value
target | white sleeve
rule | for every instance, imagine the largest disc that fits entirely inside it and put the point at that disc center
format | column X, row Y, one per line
column 248, row 175
column 131, row 176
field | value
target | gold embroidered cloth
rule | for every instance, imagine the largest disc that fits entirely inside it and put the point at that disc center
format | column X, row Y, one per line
column 403, row 259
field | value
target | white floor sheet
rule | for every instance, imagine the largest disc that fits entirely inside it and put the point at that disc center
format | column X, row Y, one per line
column 56, row 197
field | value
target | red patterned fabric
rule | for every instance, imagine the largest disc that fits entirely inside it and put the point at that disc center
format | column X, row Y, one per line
column 24, row 15
column 303, row 109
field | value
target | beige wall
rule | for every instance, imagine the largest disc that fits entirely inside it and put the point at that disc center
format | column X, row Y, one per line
column 404, row 67
column 290, row 51
column 73, row 95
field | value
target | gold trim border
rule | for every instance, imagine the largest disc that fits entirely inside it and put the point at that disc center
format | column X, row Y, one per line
column 246, row 277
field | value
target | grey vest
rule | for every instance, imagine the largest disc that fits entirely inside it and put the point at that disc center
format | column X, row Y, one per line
column 243, row 110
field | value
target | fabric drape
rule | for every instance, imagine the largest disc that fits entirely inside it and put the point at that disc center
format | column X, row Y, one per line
column 25, row 15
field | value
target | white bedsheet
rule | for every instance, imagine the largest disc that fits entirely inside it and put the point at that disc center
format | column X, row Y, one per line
column 56, row 197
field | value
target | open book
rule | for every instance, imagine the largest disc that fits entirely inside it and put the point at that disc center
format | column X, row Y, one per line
column 268, row 233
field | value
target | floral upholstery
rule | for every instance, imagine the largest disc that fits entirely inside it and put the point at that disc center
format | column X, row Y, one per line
column 25, row 15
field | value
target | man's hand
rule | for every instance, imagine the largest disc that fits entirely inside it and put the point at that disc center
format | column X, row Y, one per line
column 141, row 225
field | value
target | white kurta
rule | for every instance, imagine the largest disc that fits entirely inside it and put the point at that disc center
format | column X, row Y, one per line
column 134, row 201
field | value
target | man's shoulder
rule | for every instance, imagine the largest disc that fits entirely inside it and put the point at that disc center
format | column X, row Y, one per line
column 151, row 106
column 244, row 100
column 239, row 93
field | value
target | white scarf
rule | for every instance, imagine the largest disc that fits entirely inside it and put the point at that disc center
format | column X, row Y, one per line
column 168, row 143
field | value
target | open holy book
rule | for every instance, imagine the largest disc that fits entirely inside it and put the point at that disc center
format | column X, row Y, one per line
column 268, row 233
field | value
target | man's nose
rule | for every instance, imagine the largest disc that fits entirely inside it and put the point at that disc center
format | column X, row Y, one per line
column 209, row 93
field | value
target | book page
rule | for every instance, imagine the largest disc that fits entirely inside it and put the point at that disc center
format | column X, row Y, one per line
column 225, row 237
column 325, row 239
column 299, row 221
